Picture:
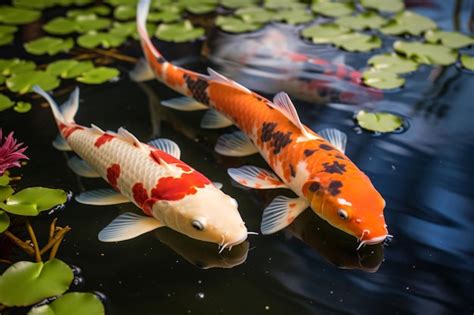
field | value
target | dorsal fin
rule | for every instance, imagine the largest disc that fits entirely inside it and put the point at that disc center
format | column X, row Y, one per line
column 95, row 128
column 213, row 75
column 127, row 136
column 284, row 105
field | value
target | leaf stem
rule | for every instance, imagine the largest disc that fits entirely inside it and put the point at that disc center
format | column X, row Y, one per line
column 56, row 238
column 27, row 249
column 5, row 261
column 52, row 229
column 34, row 240
column 55, row 248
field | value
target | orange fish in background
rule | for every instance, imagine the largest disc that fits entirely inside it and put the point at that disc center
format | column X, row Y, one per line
column 311, row 165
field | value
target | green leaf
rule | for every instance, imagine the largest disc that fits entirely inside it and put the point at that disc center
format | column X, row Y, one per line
column 2, row 79
column 468, row 62
column 68, row 3
column 125, row 12
column 33, row 200
column 106, row 40
column 22, row 107
column 98, row 75
column 426, row 53
column 236, row 25
column 60, row 26
column 384, row 5
column 357, row 42
column 91, row 22
column 382, row 79
column 332, row 9
column 4, row 179
column 255, row 15
column 5, row 102
column 379, row 122
column 122, row 2
column 12, row 15
column 199, row 6
column 49, row 45
column 23, row 82
column 284, row 4
column 5, row 192
column 294, row 16
column 80, row 23
column 408, row 22
column 36, row 4
column 25, row 283
column 7, row 34
column 235, row 4
column 367, row 20
column 324, row 33
column 4, row 220
column 68, row 69
column 179, row 32
column 449, row 39
column 167, row 14
column 391, row 62
column 15, row 66
column 98, row 9
column 73, row 303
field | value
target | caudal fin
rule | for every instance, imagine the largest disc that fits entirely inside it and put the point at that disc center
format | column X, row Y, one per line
column 143, row 8
column 64, row 114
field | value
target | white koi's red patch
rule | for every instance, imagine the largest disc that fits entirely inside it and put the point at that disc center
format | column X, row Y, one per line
column 176, row 188
column 158, row 156
column 140, row 195
column 66, row 131
column 103, row 140
column 113, row 174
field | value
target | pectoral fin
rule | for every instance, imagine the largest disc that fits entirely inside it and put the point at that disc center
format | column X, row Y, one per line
column 127, row 226
column 101, row 197
column 235, row 144
column 336, row 137
column 167, row 146
column 255, row 177
column 81, row 168
column 60, row 144
column 213, row 120
column 281, row 212
column 185, row 104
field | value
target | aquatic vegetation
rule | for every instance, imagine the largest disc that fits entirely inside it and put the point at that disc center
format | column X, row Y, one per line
column 13, row 15
column 4, row 218
column 426, row 53
column 235, row 4
column 468, row 62
column 7, row 34
column 391, row 62
column 255, row 15
column 448, row 39
column 23, row 82
column 379, row 121
column 382, row 79
column 98, row 75
column 294, row 16
column 33, row 200
column 324, row 33
column 332, row 8
column 69, row 69
column 15, row 66
column 5, row 102
column 11, row 152
column 383, row 5
column 236, row 25
column 81, row 303
column 49, row 45
column 96, row 39
column 77, row 23
column 22, row 107
column 124, row 12
column 408, row 22
column 365, row 20
column 179, row 32
column 357, row 42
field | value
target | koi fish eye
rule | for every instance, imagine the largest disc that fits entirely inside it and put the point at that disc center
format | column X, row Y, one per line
column 343, row 214
column 198, row 225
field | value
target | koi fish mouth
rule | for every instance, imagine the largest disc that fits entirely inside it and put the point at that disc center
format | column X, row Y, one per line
column 229, row 245
column 371, row 241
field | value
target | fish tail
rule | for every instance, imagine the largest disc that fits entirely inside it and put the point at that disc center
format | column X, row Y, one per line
column 64, row 114
column 143, row 8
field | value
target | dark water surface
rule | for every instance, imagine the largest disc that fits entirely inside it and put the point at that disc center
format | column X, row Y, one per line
column 424, row 173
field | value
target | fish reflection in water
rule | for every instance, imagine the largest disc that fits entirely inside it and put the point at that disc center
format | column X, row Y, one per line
column 203, row 255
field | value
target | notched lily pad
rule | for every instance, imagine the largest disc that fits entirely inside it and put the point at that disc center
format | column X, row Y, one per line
column 5, row 102
column 22, row 107
column 235, row 4
column 367, row 20
column 449, row 39
column 384, row 5
column 468, row 62
column 5, row 192
column 392, row 62
column 426, row 53
column 4, row 219
column 332, row 8
column 379, row 122
column 383, row 80
column 7, row 34
column 324, row 33
column 12, row 15
column 294, row 16
column 408, row 22
column 199, row 6
column 98, row 9
column 95, row 39
column 73, row 303
column 98, row 75
column 284, row 4
column 125, row 12
column 25, row 283
column 357, row 42
column 80, row 24
column 15, row 66
column 167, row 14
column 179, row 32
column 49, row 45
column 233, row 24
column 23, row 82
column 33, row 200
column 68, row 69
column 255, row 15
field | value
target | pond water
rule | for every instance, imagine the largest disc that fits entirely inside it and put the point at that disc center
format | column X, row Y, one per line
column 424, row 174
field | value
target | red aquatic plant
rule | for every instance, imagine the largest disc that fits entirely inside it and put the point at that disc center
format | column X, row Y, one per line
column 11, row 152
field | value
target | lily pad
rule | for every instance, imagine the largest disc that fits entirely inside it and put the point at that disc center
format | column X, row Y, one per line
column 5, row 192
column 95, row 39
column 121, row 2
column 23, row 82
column 383, row 80
column 80, row 23
column 25, row 283
column 12, row 15
column 68, row 3
column 4, row 179
column 255, row 15
column 426, row 53
column 68, row 69
column 5, row 102
column 367, row 20
column 91, row 22
column 379, row 122
column 236, row 25
column 60, row 26
column 357, row 42
column 384, row 5
column 125, row 12
column 294, row 16
column 49, row 45
column 179, row 32
column 200, row 6
column 98, row 75
column 36, row 4
column 2, row 79
column 22, row 107
column 7, row 34
column 324, row 33
column 408, row 22
column 392, row 63
column 98, row 9
column 73, row 303
column 15, row 66
column 284, row 4
column 332, row 8
column 235, row 4
column 4, row 220
column 468, row 62
column 33, row 200
column 168, row 14
column 449, row 39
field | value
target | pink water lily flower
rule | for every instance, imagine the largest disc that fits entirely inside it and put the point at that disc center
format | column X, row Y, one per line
column 11, row 152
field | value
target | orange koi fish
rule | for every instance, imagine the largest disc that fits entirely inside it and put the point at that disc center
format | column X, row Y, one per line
column 311, row 165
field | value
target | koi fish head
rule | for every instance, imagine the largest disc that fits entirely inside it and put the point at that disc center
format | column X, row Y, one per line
column 351, row 204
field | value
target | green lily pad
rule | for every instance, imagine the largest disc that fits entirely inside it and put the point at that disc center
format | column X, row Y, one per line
column 284, row 4
column 22, row 107
column 426, row 53
column 36, row 4
column 324, row 33
column 12, row 15
column 2, row 79
column 125, row 12
column 98, row 75
column 106, row 40
column 5, row 192
column 367, row 20
column 80, row 23
column 468, row 62
column 449, row 39
column 255, row 15
column 68, row 69
column 68, row 3
column 379, row 122
column 384, row 5
column 23, row 82
column 98, row 9
column 200, row 6
column 332, row 8
column 73, row 303
column 25, row 283
column 383, row 80
column 4, row 179
column 408, row 22
column 7, row 34
column 33, row 200
column 179, row 32
column 236, row 25
column 294, row 16
column 167, row 14
column 4, row 220
column 5, row 102
column 60, row 26
column 49, row 45
column 235, row 4
column 121, row 2
column 392, row 63
column 357, row 42
column 15, row 66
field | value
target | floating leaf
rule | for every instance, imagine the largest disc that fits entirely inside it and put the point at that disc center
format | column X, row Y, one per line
column 121, row 2
column 68, row 3
column 294, row 16
column 468, row 62
column 235, row 4
column 12, row 15
column 382, row 79
column 36, row 4
column 49, row 45
column 4, row 219
column 98, row 75
column 284, row 4
column 332, row 9
column 449, row 39
column 4, row 179
column 106, row 40
column 392, row 63
column 22, row 107
column 74, row 303
column 2, row 79
column 179, row 32
column 80, row 23
column 426, row 53
column 125, row 12
column 68, row 69
column 98, row 9
column 91, row 22
column 408, row 22
column 379, row 122
column 167, row 14
column 25, row 283
column 7, row 34
column 367, row 20
column 236, row 25
column 384, row 5
column 15, row 66
column 23, row 82
column 60, row 26
column 5, row 102
column 324, row 33
column 199, row 6
column 5, row 192
column 33, row 200
column 255, row 15
column 357, row 42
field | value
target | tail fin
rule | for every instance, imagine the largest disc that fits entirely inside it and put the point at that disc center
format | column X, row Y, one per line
column 64, row 114
column 143, row 8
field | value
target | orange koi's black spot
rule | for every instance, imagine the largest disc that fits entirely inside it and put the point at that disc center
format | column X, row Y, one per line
column 314, row 186
column 198, row 88
column 334, row 187
column 335, row 167
column 292, row 171
column 326, row 147
column 103, row 140
column 309, row 152
column 113, row 174
column 278, row 140
column 340, row 157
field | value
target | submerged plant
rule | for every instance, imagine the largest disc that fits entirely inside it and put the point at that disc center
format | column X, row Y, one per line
column 11, row 152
